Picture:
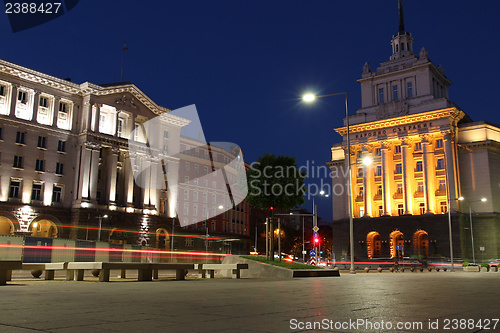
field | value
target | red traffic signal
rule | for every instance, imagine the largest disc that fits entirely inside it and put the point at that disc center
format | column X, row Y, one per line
column 316, row 240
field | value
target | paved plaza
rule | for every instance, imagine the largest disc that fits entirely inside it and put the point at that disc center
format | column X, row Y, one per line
column 382, row 300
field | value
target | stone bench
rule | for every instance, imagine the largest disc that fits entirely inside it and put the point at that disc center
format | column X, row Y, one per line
column 144, row 270
column 49, row 268
column 203, row 269
column 6, row 268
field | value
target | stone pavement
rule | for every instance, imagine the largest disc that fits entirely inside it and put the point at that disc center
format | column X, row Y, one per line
column 252, row 305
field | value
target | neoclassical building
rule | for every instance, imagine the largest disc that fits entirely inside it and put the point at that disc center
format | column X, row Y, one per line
column 425, row 153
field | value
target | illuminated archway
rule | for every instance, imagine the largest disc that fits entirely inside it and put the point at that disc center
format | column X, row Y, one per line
column 373, row 245
column 162, row 239
column 421, row 243
column 6, row 226
column 43, row 228
column 117, row 236
column 396, row 238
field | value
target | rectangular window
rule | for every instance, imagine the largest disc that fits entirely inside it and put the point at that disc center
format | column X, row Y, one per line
column 196, row 168
column 440, row 164
column 361, row 211
column 2, row 90
column 205, row 183
column 21, row 96
column 205, row 170
column 186, row 167
column 395, row 93
column 59, row 168
column 439, row 143
column 40, row 165
column 1, row 133
column 420, row 187
column 442, row 185
column 361, row 191
column 42, row 142
column 186, row 194
column 399, row 188
column 214, row 184
column 379, row 190
column 36, row 193
column 400, row 209
column 205, row 197
column 420, row 166
column 57, row 194
column 418, row 146
column 378, row 152
column 410, row 89
column 15, row 189
column 18, row 162
column 165, row 134
column 214, row 198
column 63, row 107
column 61, row 146
column 119, row 129
column 397, row 150
column 381, row 95
column 399, row 169
column 444, row 207
column 380, row 211
column 20, row 138
column 421, row 206
column 378, row 171
column 44, row 102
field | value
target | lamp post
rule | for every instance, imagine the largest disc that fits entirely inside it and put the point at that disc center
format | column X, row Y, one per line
column 311, row 98
column 100, row 217
column 471, row 232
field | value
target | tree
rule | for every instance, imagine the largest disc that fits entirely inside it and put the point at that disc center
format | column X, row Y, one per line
column 275, row 181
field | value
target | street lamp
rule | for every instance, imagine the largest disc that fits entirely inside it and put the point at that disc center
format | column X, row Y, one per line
column 100, row 217
column 311, row 98
column 471, row 232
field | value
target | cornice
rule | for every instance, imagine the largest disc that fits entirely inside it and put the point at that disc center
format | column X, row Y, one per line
column 41, row 127
column 452, row 112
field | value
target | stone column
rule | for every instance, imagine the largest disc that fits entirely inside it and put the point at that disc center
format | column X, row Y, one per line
column 111, row 174
column 450, row 171
column 145, row 179
column 128, row 188
column 36, row 102
column 154, row 187
column 427, row 174
column 55, row 112
column 367, row 188
column 86, row 114
column 94, row 169
column 386, row 184
column 13, row 102
column 97, row 118
column 84, row 179
column 349, row 181
column 407, row 197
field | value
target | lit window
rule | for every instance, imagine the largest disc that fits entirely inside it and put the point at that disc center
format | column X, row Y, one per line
column 21, row 96
column 399, row 168
column 420, row 187
column 14, row 189
column 381, row 95
column 36, row 193
column 18, row 162
column 361, row 211
column 397, row 150
column 439, row 143
column 440, row 164
column 399, row 188
column 20, row 138
column 410, row 89
column 42, row 142
column 378, row 152
column 418, row 146
column 444, row 207
column 395, row 93
column 420, row 166
column 380, row 211
column 361, row 192
column 40, row 165
column 378, row 171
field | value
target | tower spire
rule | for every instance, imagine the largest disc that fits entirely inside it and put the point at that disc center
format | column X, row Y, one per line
column 401, row 19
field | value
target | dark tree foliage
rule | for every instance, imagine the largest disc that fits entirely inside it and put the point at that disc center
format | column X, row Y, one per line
column 275, row 181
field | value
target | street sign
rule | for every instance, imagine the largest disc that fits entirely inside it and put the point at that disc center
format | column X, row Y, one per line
column 304, row 252
column 315, row 235
column 398, row 247
column 313, row 261
column 482, row 249
column 315, row 229
column 312, row 253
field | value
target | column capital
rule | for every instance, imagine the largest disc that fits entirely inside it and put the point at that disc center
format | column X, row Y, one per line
column 426, row 138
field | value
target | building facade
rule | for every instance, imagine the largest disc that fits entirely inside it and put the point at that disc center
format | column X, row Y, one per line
column 425, row 154
column 81, row 161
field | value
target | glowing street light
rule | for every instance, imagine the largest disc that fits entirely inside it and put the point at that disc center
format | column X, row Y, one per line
column 471, row 232
column 310, row 98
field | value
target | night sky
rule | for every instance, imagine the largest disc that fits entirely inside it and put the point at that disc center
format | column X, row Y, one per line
column 245, row 64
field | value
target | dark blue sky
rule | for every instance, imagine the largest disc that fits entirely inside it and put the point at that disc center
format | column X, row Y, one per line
column 246, row 63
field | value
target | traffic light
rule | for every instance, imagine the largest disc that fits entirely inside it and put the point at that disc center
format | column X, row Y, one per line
column 316, row 240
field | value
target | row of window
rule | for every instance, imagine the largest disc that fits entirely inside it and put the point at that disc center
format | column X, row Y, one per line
column 42, row 141
column 421, row 206
column 399, row 188
column 195, row 196
column 36, row 192
column 397, row 149
column 395, row 92
column 39, row 165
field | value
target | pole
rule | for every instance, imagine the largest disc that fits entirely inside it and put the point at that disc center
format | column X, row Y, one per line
column 255, row 248
column 279, row 238
column 100, row 225
column 449, row 215
column 472, row 235
column 349, row 195
column 206, row 239
column 172, row 242
column 303, row 243
column 267, row 238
